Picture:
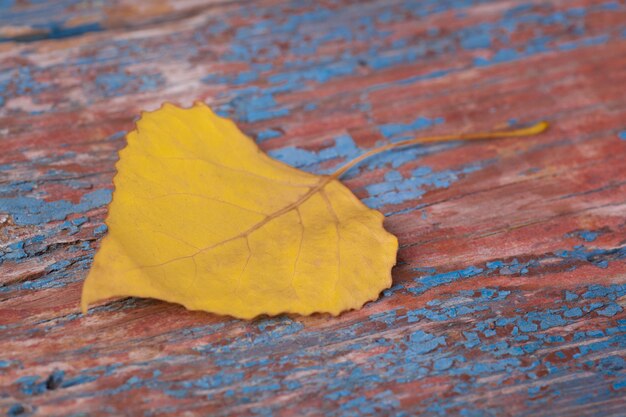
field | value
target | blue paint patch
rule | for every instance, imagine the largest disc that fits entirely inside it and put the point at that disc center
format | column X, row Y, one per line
column 611, row 310
column 513, row 267
column 78, row 380
column 394, row 130
column 472, row 339
column 101, row 229
column 596, row 40
column 22, row 81
column 321, row 73
column 54, row 31
column 549, row 320
column 573, row 313
column 477, row 37
column 120, row 83
column 442, row 364
column 31, row 385
column 32, row 211
column 387, row 317
column 268, row 134
column 586, row 235
column 597, row 257
column 344, row 148
column 257, row 108
column 611, row 292
column 16, row 410
column 412, row 188
column 116, row 135
column 431, row 281
column 217, row 380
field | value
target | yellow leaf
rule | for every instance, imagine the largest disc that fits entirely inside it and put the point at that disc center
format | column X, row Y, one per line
column 201, row 217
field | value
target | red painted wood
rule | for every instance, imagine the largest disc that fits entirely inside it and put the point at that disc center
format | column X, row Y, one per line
column 509, row 290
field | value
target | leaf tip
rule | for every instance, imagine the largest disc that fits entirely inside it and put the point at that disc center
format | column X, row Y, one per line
column 84, row 305
column 537, row 128
column 86, row 296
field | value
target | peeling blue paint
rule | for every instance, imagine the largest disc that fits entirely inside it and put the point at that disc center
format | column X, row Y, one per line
column 474, row 339
column 31, row 211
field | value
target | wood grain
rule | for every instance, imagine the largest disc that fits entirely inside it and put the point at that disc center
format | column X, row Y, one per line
column 509, row 292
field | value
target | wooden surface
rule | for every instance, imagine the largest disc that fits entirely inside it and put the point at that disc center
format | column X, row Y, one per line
column 509, row 293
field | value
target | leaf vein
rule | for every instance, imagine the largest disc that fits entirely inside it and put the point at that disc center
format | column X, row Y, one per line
column 278, row 213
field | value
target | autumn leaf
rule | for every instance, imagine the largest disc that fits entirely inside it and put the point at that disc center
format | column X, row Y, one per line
column 202, row 217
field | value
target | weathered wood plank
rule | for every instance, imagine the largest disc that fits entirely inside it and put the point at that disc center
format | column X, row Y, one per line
column 508, row 295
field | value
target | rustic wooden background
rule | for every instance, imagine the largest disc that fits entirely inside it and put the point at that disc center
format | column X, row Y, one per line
column 509, row 294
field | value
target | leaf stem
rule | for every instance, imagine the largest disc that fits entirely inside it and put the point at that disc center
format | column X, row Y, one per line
column 528, row 131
